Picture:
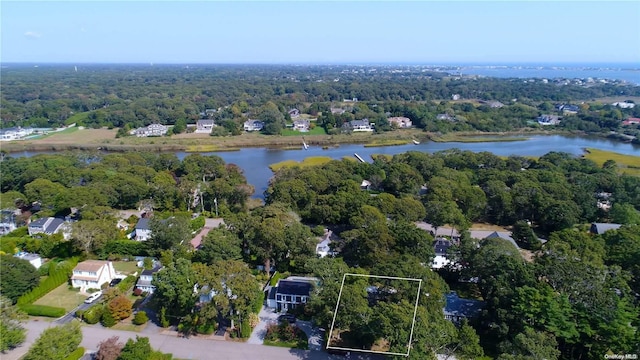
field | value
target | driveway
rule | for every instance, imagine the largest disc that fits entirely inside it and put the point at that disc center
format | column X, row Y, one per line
column 72, row 314
column 267, row 316
column 313, row 333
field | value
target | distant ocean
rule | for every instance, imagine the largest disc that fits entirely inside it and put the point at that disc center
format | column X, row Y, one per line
column 624, row 72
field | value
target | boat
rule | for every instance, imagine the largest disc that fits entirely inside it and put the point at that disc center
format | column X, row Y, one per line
column 304, row 145
column 416, row 142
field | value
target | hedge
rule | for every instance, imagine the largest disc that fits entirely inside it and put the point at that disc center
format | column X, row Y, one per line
column 93, row 314
column 127, row 283
column 77, row 354
column 125, row 247
column 245, row 329
column 57, row 278
column 258, row 302
column 140, row 318
column 43, row 310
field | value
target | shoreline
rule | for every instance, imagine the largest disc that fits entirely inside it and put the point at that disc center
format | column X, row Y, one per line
column 236, row 143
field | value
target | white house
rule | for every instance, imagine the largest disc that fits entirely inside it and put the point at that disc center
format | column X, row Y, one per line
column 323, row 248
column 204, row 126
column 146, row 277
column 290, row 292
column 91, row 274
column 14, row 133
column 440, row 245
column 33, row 259
column 142, row 231
column 624, row 105
column 7, row 221
column 545, row 120
column 301, row 125
column 400, row 122
column 253, row 125
column 359, row 125
column 151, row 130
column 49, row 226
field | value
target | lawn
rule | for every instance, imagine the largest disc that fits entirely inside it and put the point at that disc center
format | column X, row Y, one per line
column 62, row 297
column 318, row 130
column 126, row 267
column 627, row 164
column 301, row 340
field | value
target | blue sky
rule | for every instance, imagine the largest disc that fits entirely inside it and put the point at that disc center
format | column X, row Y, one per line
column 314, row 32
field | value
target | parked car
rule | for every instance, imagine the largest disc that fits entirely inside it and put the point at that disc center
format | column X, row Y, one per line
column 93, row 297
column 115, row 282
column 287, row 317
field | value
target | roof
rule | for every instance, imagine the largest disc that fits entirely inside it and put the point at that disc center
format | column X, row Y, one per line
column 441, row 245
column 38, row 223
column 90, row 265
column 27, row 256
column 143, row 224
column 600, row 228
column 457, row 306
column 363, row 122
column 291, row 287
column 151, row 271
column 54, row 225
column 205, row 121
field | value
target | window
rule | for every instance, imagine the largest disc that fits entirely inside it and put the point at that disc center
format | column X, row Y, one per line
column 304, row 299
column 278, row 297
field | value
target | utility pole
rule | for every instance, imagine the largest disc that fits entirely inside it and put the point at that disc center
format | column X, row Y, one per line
column 215, row 201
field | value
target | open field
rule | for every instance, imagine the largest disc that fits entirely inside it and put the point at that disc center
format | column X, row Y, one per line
column 126, row 267
column 315, row 131
column 627, row 164
column 62, row 297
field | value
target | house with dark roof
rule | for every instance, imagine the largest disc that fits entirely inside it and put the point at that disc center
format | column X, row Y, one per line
column 358, row 125
column 457, row 308
column 440, row 246
column 290, row 292
column 146, row 277
column 294, row 113
column 253, row 125
column 546, row 120
column 48, row 226
column 151, row 130
column 142, row 231
column 601, row 228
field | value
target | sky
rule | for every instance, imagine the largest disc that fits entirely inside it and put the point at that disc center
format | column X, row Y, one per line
column 320, row 32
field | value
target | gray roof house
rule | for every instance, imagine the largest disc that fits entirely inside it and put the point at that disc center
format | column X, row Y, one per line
column 457, row 308
column 204, row 126
column 601, row 228
column 146, row 277
column 48, row 226
column 142, row 231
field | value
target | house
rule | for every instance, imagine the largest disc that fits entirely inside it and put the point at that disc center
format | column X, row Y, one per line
column 294, row 113
column 624, row 105
column 146, row 277
column 8, row 221
column 601, row 228
column 337, row 111
column 324, row 247
column 291, row 292
column 253, row 125
column 457, row 309
column 455, row 97
column 358, row 125
column 151, row 130
column 400, row 122
column 631, row 121
column 481, row 234
column 365, row 185
column 569, row 109
column 204, row 126
column 440, row 245
column 14, row 133
column 545, row 120
column 91, row 274
column 142, row 231
column 445, row 117
column 48, row 226
column 33, row 259
column 301, row 125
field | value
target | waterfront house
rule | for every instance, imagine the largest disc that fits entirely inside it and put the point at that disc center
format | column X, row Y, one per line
column 400, row 122
column 253, row 125
column 14, row 133
column 204, row 126
column 358, row 125
column 91, row 274
column 151, row 130
column 146, row 277
column 546, row 120
column 624, row 105
column 301, row 125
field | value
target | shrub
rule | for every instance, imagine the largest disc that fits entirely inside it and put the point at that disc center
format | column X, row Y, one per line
column 140, row 318
column 245, row 329
column 254, row 320
column 207, row 328
column 42, row 310
column 164, row 322
column 107, row 319
column 120, row 307
column 93, row 314
column 77, row 354
column 137, row 291
column 258, row 302
column 80, row 314
column 197, row 223
column 127, row 283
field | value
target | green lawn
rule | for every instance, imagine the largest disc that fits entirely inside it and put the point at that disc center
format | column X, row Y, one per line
column 126, row 267
column 318, row 130
column 62, row 297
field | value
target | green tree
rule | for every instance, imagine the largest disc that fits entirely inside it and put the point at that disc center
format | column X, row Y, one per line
column 138, row 349
column 524, row 236
column 174, row 288
column 169, row 233
column 56, row 343
column 12, row 334
column 532, row 344
column 17, row 277
column 624, row 214
column 179, row 127
column 90, row 236
column 468, row 342
column 219, row 244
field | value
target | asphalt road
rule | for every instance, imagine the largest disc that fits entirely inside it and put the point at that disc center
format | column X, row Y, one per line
column 72, row 314
column 182, row 348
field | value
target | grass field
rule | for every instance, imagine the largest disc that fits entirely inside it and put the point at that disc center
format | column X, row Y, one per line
column 126, row 267
column 62, row 297
column 318, row 130
column 310, row 161
column 627, row 164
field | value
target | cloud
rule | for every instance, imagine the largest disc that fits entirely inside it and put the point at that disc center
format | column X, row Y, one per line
column 32, row 34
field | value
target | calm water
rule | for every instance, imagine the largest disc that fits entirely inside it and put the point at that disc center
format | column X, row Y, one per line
column 255, row 161
column 631, row 76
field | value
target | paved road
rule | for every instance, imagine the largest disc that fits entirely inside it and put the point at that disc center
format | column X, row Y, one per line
column 72, row 314
column 192, row 348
